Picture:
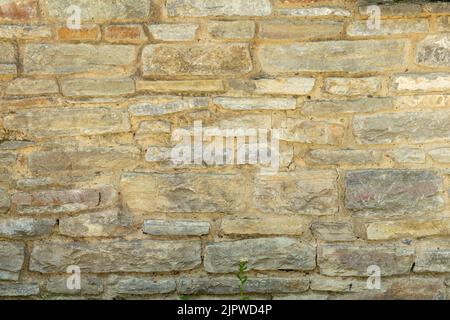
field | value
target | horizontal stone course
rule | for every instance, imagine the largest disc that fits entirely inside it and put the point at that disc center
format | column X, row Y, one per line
column 199, row 8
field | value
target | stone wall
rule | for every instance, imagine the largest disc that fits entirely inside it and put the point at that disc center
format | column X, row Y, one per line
column 86, row 123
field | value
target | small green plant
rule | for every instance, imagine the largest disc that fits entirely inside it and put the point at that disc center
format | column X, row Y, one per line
column 184, row 297
column 242, row 278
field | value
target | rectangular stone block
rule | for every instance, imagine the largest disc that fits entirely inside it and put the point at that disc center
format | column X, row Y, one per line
column 434, row 51
column 422, row 101
column 180, row 192
column 141, row 286
column 415, row 127
column 309, row 192
column 261, row 254
column 232, row 103
column 300, row 30
column 99, row 11
column 354, row 259
column 19, row 289
column 12, row 257
column 25, row 86
column 343, row 156
column 176, row 227
column 408, row 155
column 25, row 227
column 441, row 155
column 196, row 60
column 313, row 12
column 321, row 283
column 158, row 106
column 333, row 231
column 266, row 225
column 231, row 29
column 288, row 86
column 87, row 32
column 200, row 8
column 78, row 58
column 90, row 285
column 50, row 122
column 131, row 33
column 24, row 32
column 334, row 56
column 97, row 87
column 63, row 201
column 353, row 86
column 317, row 132
column 390, row 191
column 443, row 24
column 18, row 9
column 7, row 54
column 5, row 202
column 116, row 256
column 183, row 86
column 433, row 256
column 174, row 32
column 421, row 82
column 388, row 27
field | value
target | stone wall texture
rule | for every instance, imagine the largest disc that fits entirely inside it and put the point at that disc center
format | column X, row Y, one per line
column 86, row 123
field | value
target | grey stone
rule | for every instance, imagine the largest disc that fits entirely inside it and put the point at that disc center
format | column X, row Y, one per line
column 12, row 257
column 347, row 106
column 19, row 289
column 25, row 227
column 159, row 106
column 333, row 231
column 434, row 51
column 5, row 202
column 343, row 156
column 141, row 286
column 176, row 227
column 231, row 103
column 200, row 8
column 90, row 285
column 433, row 257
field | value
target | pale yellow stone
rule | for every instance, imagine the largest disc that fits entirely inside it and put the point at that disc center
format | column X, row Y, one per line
column 181, row 86
column 414, row 228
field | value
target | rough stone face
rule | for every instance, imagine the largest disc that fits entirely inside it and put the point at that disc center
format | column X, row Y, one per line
column 141, row 286
column 63, row 201
column 25, row 32
column 109, row 223
column 229, row 285
column 314, row 12
column 321, row 283
column 411, row 228
column 255, row 103
column 416, row 127
column 12, row 256
column 441, row 155
column 176, row 227
column 87, row 32
column 8, row 66
column 329, row 56
column 196, row 60
column 408, row 155
column 393, row 191
column 231, row 29
column 116, row 256
column 391, row 9
column 388, row 27
column 352, row 86
column 125, row 33
column 107, row 10
column 292, row 86
column 265, row 225
column 346, row 106
column 433, row 257
column 19, row 289
column 309, row 192
column 85, row 158
column 344, row 156
column 354, row 259
column 422, row 101
column 318, row 132
column 97, row 87
column 50, row 122
column 199, row 8
column 333, row 231
column 260, row 121
column 25, row 227
column 444, row 24
column 24, row 86
column 174, row 32
column 166, row 105
column 421, row 82
column 18, row 9
column 157, row 154
column 77, row 58
column 300, row 30
column 90, row 285
column 5, row 202
column 262, row 254
column 183, row 86
column 183, row 192
column 434, row 51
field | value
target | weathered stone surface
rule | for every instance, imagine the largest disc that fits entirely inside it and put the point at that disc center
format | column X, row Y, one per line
column 90, row 285
column 421, row 82
column 24, row 86
column 176, row 227
column 87, row 32
column 7, row 59
column 19, row 289
column 346, row 56
column 158, row 154
column 390, row 8
column 109, row 223
column 184, row 192
column 291, row 86
column 24, row 32
column 436, row 7
column 310, row 192
column 408, row 155
column 307, row 296
column 25, row 227
column 434, row 51
column 265, row 225
column 318, row 132
column 183, row 86
column 333, row 231
column 18, row 9
column 231, row 29
column 393, row 191
column 232, row 103
column 97, row 87
column 106, row 10
column 354, row 259
column 443, row 24
column 416, row 127
column 300, row 30
column 151, row 127
column 200, row 8
column 441, row 155
column 196, row 60
column 411, row 228
column 12, row 256
column 5, row 202
column 230, row 285
column 347, row 106
column 343, row 156
column 321, row 283
column 83, row 158
column 433, row 257
column 353, row 86
column 388, row 27
column 262, row 254
column 159, row 106
column 131, row 33
column 260, row 121
column 63, row 201
column 422, row 101
column 116, row 256
column 174, row 32
column 78, row 58
column 314, row 12
column 68, row 121
column 7, row 71
column 141, row 286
